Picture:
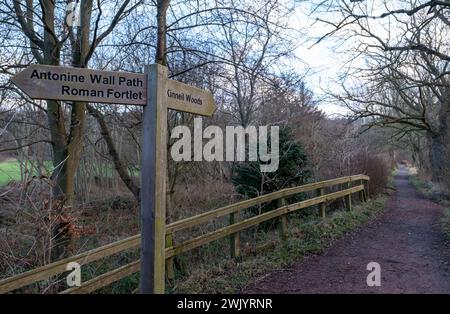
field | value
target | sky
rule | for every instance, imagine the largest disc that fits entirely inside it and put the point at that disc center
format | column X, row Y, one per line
column 329, row 59
column 324, row 61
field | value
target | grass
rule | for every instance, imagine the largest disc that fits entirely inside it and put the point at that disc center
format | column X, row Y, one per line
column 9, row 171
column 421, row 185
column 426, row 189
column 308, row 235
column 446, row 221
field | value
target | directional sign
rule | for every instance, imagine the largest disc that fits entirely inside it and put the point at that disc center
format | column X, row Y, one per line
column 77, row 84
column 190, row 99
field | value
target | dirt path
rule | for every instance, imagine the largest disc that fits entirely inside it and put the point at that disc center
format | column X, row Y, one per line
column 406, row 241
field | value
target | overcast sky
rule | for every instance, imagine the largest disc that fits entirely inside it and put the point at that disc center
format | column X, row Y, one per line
column 328, row 59
column 324, row 61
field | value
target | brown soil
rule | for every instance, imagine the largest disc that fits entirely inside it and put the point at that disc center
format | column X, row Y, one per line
column 407, row 241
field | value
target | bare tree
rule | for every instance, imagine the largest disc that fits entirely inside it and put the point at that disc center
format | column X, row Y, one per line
column 50, row 39
column 404, row 81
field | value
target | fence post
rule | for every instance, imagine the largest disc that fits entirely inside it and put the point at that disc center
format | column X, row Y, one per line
column 367, row 193
column 170, row 273
column 282, row 221
column 349, row 197
column 366, row 190
column 362, row 196
column 321, row 192
column 235, row 242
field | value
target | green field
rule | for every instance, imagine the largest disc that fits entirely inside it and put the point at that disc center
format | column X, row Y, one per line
column 9, row 171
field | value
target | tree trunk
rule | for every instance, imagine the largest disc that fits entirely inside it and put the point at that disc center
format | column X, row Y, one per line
column 439, row 158
column 118, row 163
column 66, row 158
column 161, row 56
column 67, row 147
column 55, row 116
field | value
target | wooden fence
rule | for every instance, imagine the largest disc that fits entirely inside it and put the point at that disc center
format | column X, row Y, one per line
column 351, row 184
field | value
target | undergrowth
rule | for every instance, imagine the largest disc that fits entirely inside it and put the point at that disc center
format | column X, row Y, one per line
column 308, row 235
column 426, row 189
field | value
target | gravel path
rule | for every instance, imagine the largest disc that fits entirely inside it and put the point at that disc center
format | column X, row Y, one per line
column 406, row 241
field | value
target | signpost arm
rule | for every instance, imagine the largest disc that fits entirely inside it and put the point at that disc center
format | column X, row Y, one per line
column 153, row 182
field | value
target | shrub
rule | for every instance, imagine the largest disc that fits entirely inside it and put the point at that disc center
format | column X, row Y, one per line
column 292, row 171
column 375, row 166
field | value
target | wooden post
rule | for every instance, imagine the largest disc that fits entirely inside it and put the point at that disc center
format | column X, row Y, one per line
column 361, row 193
column 349, row 197
column 153, row 182
column 282, row 221
column 367, row 191
column 235, row 242
column 170, row 273
column 364, row 192
column 322, row 213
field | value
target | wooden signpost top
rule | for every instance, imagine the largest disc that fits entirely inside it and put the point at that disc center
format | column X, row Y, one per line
column 186, row 98
column 157, row 94
column 78, row 84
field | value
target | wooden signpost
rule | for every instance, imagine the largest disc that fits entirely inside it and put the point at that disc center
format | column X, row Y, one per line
column 77, row 84
column 157, row 94
column 183, row 97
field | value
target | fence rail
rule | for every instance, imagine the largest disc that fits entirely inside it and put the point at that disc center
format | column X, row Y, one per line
column 232, row 230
